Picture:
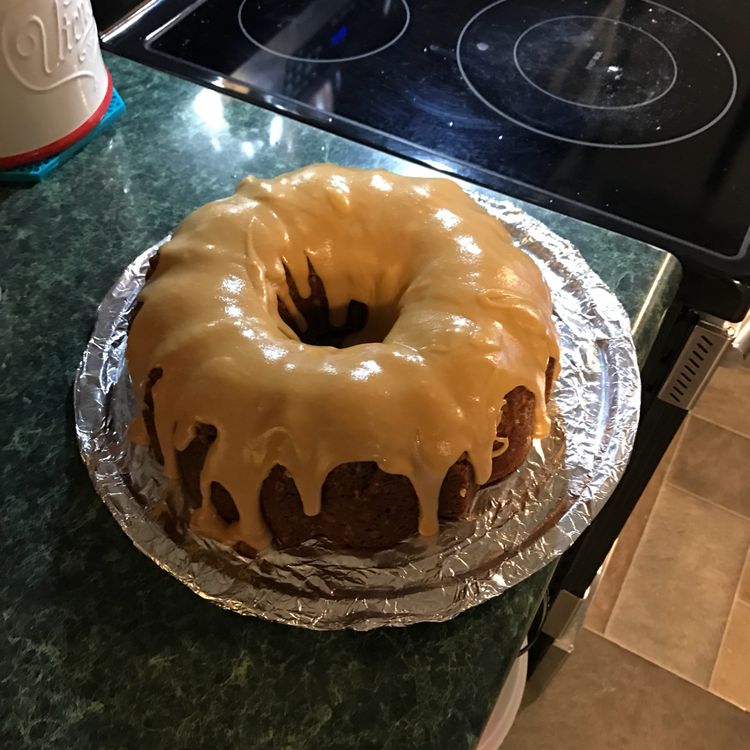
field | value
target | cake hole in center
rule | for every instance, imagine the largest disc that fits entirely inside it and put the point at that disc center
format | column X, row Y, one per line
column 361, row 324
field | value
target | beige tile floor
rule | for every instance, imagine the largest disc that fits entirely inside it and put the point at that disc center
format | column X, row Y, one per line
column 607, row 698
column 676, row 589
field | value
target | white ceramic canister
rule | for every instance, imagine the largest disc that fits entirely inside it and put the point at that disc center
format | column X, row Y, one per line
column 54, row 87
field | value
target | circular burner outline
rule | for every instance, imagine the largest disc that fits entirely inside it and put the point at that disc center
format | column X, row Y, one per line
column 596, row 106
column 398, row 36
column 580, row 142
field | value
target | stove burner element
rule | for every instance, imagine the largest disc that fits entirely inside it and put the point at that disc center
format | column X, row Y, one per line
column 595, row 62
column 323, row 31
column 630, row 80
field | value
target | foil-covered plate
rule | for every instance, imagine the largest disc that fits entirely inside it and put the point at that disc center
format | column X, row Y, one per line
column 518, row 525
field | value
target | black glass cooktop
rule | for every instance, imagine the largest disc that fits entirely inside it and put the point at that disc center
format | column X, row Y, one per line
column 627, row 113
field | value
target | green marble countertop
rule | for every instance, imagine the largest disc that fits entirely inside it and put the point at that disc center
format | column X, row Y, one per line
column 100, row 648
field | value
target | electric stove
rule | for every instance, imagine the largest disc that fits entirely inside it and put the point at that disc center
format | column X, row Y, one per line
column 630, row 114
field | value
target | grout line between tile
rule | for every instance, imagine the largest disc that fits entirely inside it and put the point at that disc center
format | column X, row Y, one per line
column 745, row 566
column 680, row 438
column 659, row 664
column 737, row 601
column 726, row 626
column 679, row 488
column 600, row 577
column 737, row 432
column 730, row 701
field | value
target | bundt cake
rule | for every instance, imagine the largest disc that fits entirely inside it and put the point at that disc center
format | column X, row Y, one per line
column 340, row 353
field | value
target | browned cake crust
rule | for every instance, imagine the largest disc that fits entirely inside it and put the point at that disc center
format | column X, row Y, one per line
column 362, row 507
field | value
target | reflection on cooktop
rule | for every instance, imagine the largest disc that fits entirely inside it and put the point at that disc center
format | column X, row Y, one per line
column 598, row 79
column 594, row 62
column 628, row 113
column 323, row 30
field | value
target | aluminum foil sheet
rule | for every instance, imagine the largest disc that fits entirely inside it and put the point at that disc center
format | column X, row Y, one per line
column 518, row 525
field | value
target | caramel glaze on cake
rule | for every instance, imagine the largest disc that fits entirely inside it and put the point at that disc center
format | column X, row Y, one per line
column 342, row 353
